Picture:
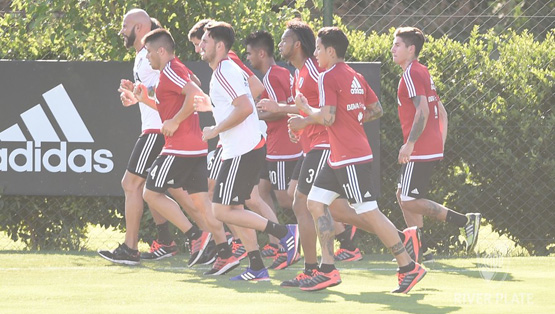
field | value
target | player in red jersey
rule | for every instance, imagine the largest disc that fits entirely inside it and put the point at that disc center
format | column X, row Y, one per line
column 182, row 162
column 424, row 124
column 346, row 101
column 282, row 154
column 297, row 46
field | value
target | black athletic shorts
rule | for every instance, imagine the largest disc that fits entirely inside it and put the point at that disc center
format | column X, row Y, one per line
column 237, row 178
column 169, row 171
column 147, row 148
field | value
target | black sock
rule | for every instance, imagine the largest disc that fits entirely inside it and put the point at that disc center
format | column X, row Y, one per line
column 326, row 268
column 401, row 235
column 277, row 230
column 344, row 239
column 255, row 260
column 455, row 218
column 309, row 267
column 164, row 236
column 406, row 269
column 224, row 250
column 193, row 233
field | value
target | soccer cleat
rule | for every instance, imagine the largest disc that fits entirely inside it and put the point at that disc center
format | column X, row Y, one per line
column 280, row 261
column 408, row 280
column 296, row 282
column 222, row 266
column 253, row 275
column 159, row 251
column 412, row 243
column 122, row 255
column 198, row 246
column 470, row 231
column 269, row 251
column 344, row 255
column 238, row 250
column 209, row 255
column 321, row 281
column 291, row 243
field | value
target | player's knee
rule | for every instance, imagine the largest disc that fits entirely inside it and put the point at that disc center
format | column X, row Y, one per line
column 315, row 208
column 132, row 183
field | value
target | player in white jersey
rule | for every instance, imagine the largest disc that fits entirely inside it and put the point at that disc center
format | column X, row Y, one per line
column 255, row 203
column 136, row 24
column 242, row 143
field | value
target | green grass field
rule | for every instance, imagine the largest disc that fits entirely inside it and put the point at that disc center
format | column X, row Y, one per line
column 83, row 282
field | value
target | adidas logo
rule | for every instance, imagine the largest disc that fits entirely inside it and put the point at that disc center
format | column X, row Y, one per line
column 356, row 88
column 415, row 191
column 235, row 199
column 170, row 182
column 367, row 194
column 31, row 158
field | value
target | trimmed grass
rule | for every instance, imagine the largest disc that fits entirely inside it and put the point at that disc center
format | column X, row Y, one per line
column 83, row 282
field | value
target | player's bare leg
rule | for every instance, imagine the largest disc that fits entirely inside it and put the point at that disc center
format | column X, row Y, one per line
column 133, row 188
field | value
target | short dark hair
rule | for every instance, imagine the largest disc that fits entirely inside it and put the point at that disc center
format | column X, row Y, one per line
column 304, row 34
column 261, row 40
column 335, row 38
column 154, row 24
column 198, row 29
column 221, row 31
column 411, row 36
column 161, row 38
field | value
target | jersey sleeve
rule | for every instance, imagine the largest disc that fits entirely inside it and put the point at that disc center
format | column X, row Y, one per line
column 415, row 83
column 274, row 87
column 327, row 90
column 176, row 78
column 232, row 81
column 233, row 56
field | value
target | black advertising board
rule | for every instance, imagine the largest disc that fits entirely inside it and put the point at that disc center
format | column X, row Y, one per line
column 63, row 130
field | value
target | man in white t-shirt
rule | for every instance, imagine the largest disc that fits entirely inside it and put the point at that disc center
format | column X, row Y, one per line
column 242, row 152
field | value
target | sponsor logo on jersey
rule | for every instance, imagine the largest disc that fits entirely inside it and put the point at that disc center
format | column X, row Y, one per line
column 58, row 156
column 356, row 88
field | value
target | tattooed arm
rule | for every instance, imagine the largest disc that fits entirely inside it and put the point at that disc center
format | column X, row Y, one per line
column 420, row 120
column 372, row 112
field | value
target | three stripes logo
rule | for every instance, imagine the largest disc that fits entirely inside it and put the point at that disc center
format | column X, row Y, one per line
column 356, row 88
column 41, row 129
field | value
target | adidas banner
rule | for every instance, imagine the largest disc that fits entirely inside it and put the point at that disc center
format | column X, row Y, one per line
column 64, row 131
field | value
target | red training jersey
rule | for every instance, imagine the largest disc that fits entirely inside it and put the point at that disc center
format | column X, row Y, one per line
column 348, row 91
column 314, row 136
column 416, row 81
column 277, row 86
column 187, row 139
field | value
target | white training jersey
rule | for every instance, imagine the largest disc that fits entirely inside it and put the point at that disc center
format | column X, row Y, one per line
column 143, row 72
column 226, row 84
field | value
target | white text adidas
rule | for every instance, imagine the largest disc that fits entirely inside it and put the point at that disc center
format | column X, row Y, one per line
column 35, row 158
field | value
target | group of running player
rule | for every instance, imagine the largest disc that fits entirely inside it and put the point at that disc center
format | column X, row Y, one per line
column 312, row 151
